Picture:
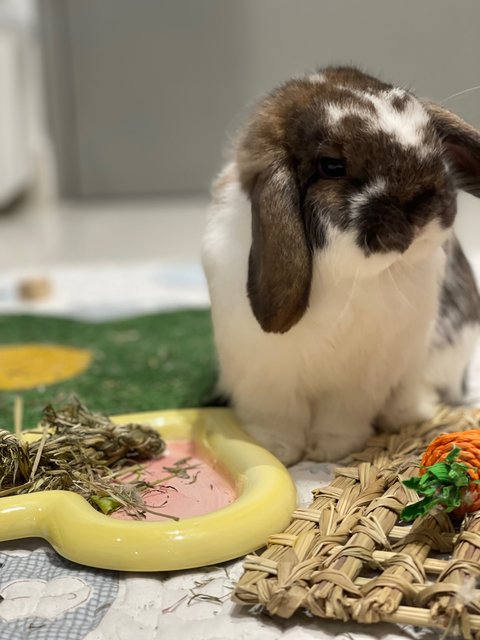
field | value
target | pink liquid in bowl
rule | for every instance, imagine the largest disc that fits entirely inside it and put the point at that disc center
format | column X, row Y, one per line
column 205, row 489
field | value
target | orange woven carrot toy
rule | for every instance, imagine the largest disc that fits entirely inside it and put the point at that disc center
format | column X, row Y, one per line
column 449, row 475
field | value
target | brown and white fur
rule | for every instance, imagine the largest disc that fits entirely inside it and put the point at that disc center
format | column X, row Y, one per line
column 340, row 295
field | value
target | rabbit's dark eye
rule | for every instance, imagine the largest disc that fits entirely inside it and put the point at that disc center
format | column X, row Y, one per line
column 331, row 168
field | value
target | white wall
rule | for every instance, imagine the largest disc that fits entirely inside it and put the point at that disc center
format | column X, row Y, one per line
column 146, row 91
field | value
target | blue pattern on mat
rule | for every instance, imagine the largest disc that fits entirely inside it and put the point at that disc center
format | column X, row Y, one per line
column 99, row 590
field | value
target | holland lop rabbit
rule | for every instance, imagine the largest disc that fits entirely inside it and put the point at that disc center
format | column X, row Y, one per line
column 340, row 295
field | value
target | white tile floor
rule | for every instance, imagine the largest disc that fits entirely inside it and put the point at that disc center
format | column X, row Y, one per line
column 55, row 233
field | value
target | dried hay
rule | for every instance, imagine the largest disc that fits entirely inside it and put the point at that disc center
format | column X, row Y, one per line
column 80, row 451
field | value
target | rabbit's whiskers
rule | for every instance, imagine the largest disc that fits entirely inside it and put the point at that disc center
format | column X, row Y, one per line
column 365, row 244
column 350, row 296
column 401, row 293
column 460, row 93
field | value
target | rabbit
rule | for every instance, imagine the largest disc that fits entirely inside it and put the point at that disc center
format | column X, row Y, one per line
column 341, row 298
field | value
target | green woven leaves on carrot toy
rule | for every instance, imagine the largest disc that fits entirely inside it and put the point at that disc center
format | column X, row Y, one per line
column 449, row 476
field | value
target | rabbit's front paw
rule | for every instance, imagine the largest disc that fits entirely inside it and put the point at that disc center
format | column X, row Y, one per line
column 409, row 411
column 330, row 447
column 287, row 451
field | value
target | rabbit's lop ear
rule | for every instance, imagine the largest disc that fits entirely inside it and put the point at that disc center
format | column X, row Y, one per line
column 462, row 144
column 280, row 263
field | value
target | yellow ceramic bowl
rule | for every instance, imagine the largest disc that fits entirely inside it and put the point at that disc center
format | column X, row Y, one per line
column 266, row 499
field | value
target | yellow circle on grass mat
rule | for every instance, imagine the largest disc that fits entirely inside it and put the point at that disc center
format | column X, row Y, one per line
column 23, row 366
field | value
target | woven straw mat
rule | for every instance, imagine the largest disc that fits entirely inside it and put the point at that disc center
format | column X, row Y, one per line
column 349, row 557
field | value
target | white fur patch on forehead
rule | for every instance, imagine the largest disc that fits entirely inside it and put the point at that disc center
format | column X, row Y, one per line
column 335, row 112
column 317, row 78
column 405, row 125
column 396, row 92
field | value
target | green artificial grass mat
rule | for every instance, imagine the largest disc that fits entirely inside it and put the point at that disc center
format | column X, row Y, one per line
column 161, row 361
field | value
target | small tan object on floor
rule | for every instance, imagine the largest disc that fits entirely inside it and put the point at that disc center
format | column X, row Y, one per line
column 349, row 557
column 34, row 289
